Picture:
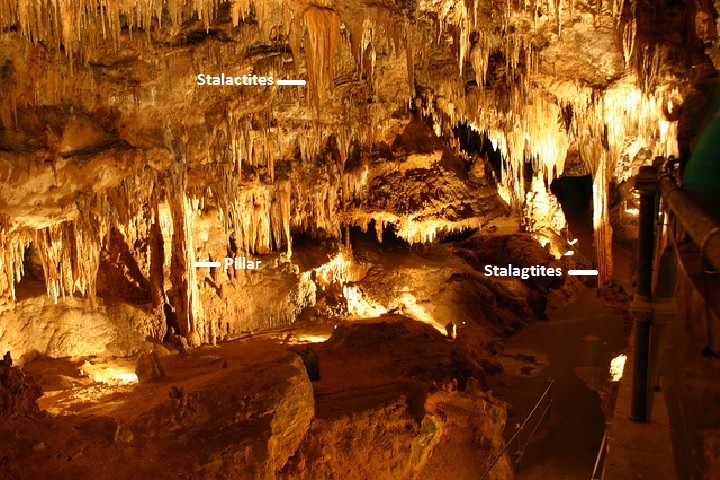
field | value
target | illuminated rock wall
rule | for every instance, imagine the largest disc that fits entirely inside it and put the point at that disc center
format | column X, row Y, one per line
column 37, row 326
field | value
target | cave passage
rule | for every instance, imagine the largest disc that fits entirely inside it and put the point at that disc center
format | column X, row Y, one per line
column 194, row 195
column 478, row 143
column 368, row 240
column 575, row 194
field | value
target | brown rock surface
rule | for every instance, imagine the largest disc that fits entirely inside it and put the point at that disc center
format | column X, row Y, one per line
column 387, row 406
column 241, row 422
column 38, row 326
column 118, row 172
column 19, row 391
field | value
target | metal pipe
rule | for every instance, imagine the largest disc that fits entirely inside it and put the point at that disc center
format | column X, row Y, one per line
column 641, row 355
column 694, row 220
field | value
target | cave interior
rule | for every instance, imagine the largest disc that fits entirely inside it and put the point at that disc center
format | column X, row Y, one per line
column 317, row 239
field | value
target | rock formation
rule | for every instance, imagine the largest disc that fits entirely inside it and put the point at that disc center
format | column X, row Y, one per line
column 120, row 170
column 19, row 391
column 108, row 141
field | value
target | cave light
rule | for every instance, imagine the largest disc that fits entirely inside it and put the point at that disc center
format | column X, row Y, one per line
column 120, row 378
column 617, row 365
column 542, row 240
column 302, row 339
column 505, row 193
column 410, row 307
column 125, row 378
column 114, row 372
column 334, row 270
column 360, row 305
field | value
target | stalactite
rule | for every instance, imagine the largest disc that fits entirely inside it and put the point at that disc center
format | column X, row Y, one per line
column 260, row 217
column 558, row 16
column 83, row 23
column 601, row 220
column 548, row 139
column 323, row 36
column 480, row 58
column 650, row 60
column 13, row 246
column 628, row 32
column 70, row 253
column 409, row 60
column 617, row 9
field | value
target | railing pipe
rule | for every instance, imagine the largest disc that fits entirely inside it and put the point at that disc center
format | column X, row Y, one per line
column 519, row 452
column 600, row 456
column 700, row 225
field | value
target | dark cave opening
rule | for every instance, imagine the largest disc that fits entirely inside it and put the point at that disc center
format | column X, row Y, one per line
column 301, row 240
column 32, row 283
column 458, row 236
column 477, row 143
column 360, row 240
column 575, row 194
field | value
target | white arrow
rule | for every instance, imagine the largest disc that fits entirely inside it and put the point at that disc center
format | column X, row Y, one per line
column 291, row 82
column 582, row 272
column 207, row 264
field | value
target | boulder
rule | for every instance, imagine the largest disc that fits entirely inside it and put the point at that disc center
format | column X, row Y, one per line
column 148, row 368
column 19, row 391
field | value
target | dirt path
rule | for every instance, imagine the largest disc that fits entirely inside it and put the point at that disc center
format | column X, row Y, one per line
column 574, row 348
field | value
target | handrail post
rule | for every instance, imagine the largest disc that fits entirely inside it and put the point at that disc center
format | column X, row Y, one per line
column 646, row 184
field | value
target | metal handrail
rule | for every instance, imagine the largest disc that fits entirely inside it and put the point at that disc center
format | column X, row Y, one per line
column 703, row 229
column 701, row 226
column 520, row 427
column 520, row 452
column 600, row 459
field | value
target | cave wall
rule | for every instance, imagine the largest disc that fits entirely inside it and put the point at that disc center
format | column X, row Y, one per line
column 39, row 327
column 105, row 137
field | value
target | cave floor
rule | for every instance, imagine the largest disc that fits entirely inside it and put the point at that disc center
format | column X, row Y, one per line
column 85, row 386
column 574, row 348
column 94, row 430
column 90, row 429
